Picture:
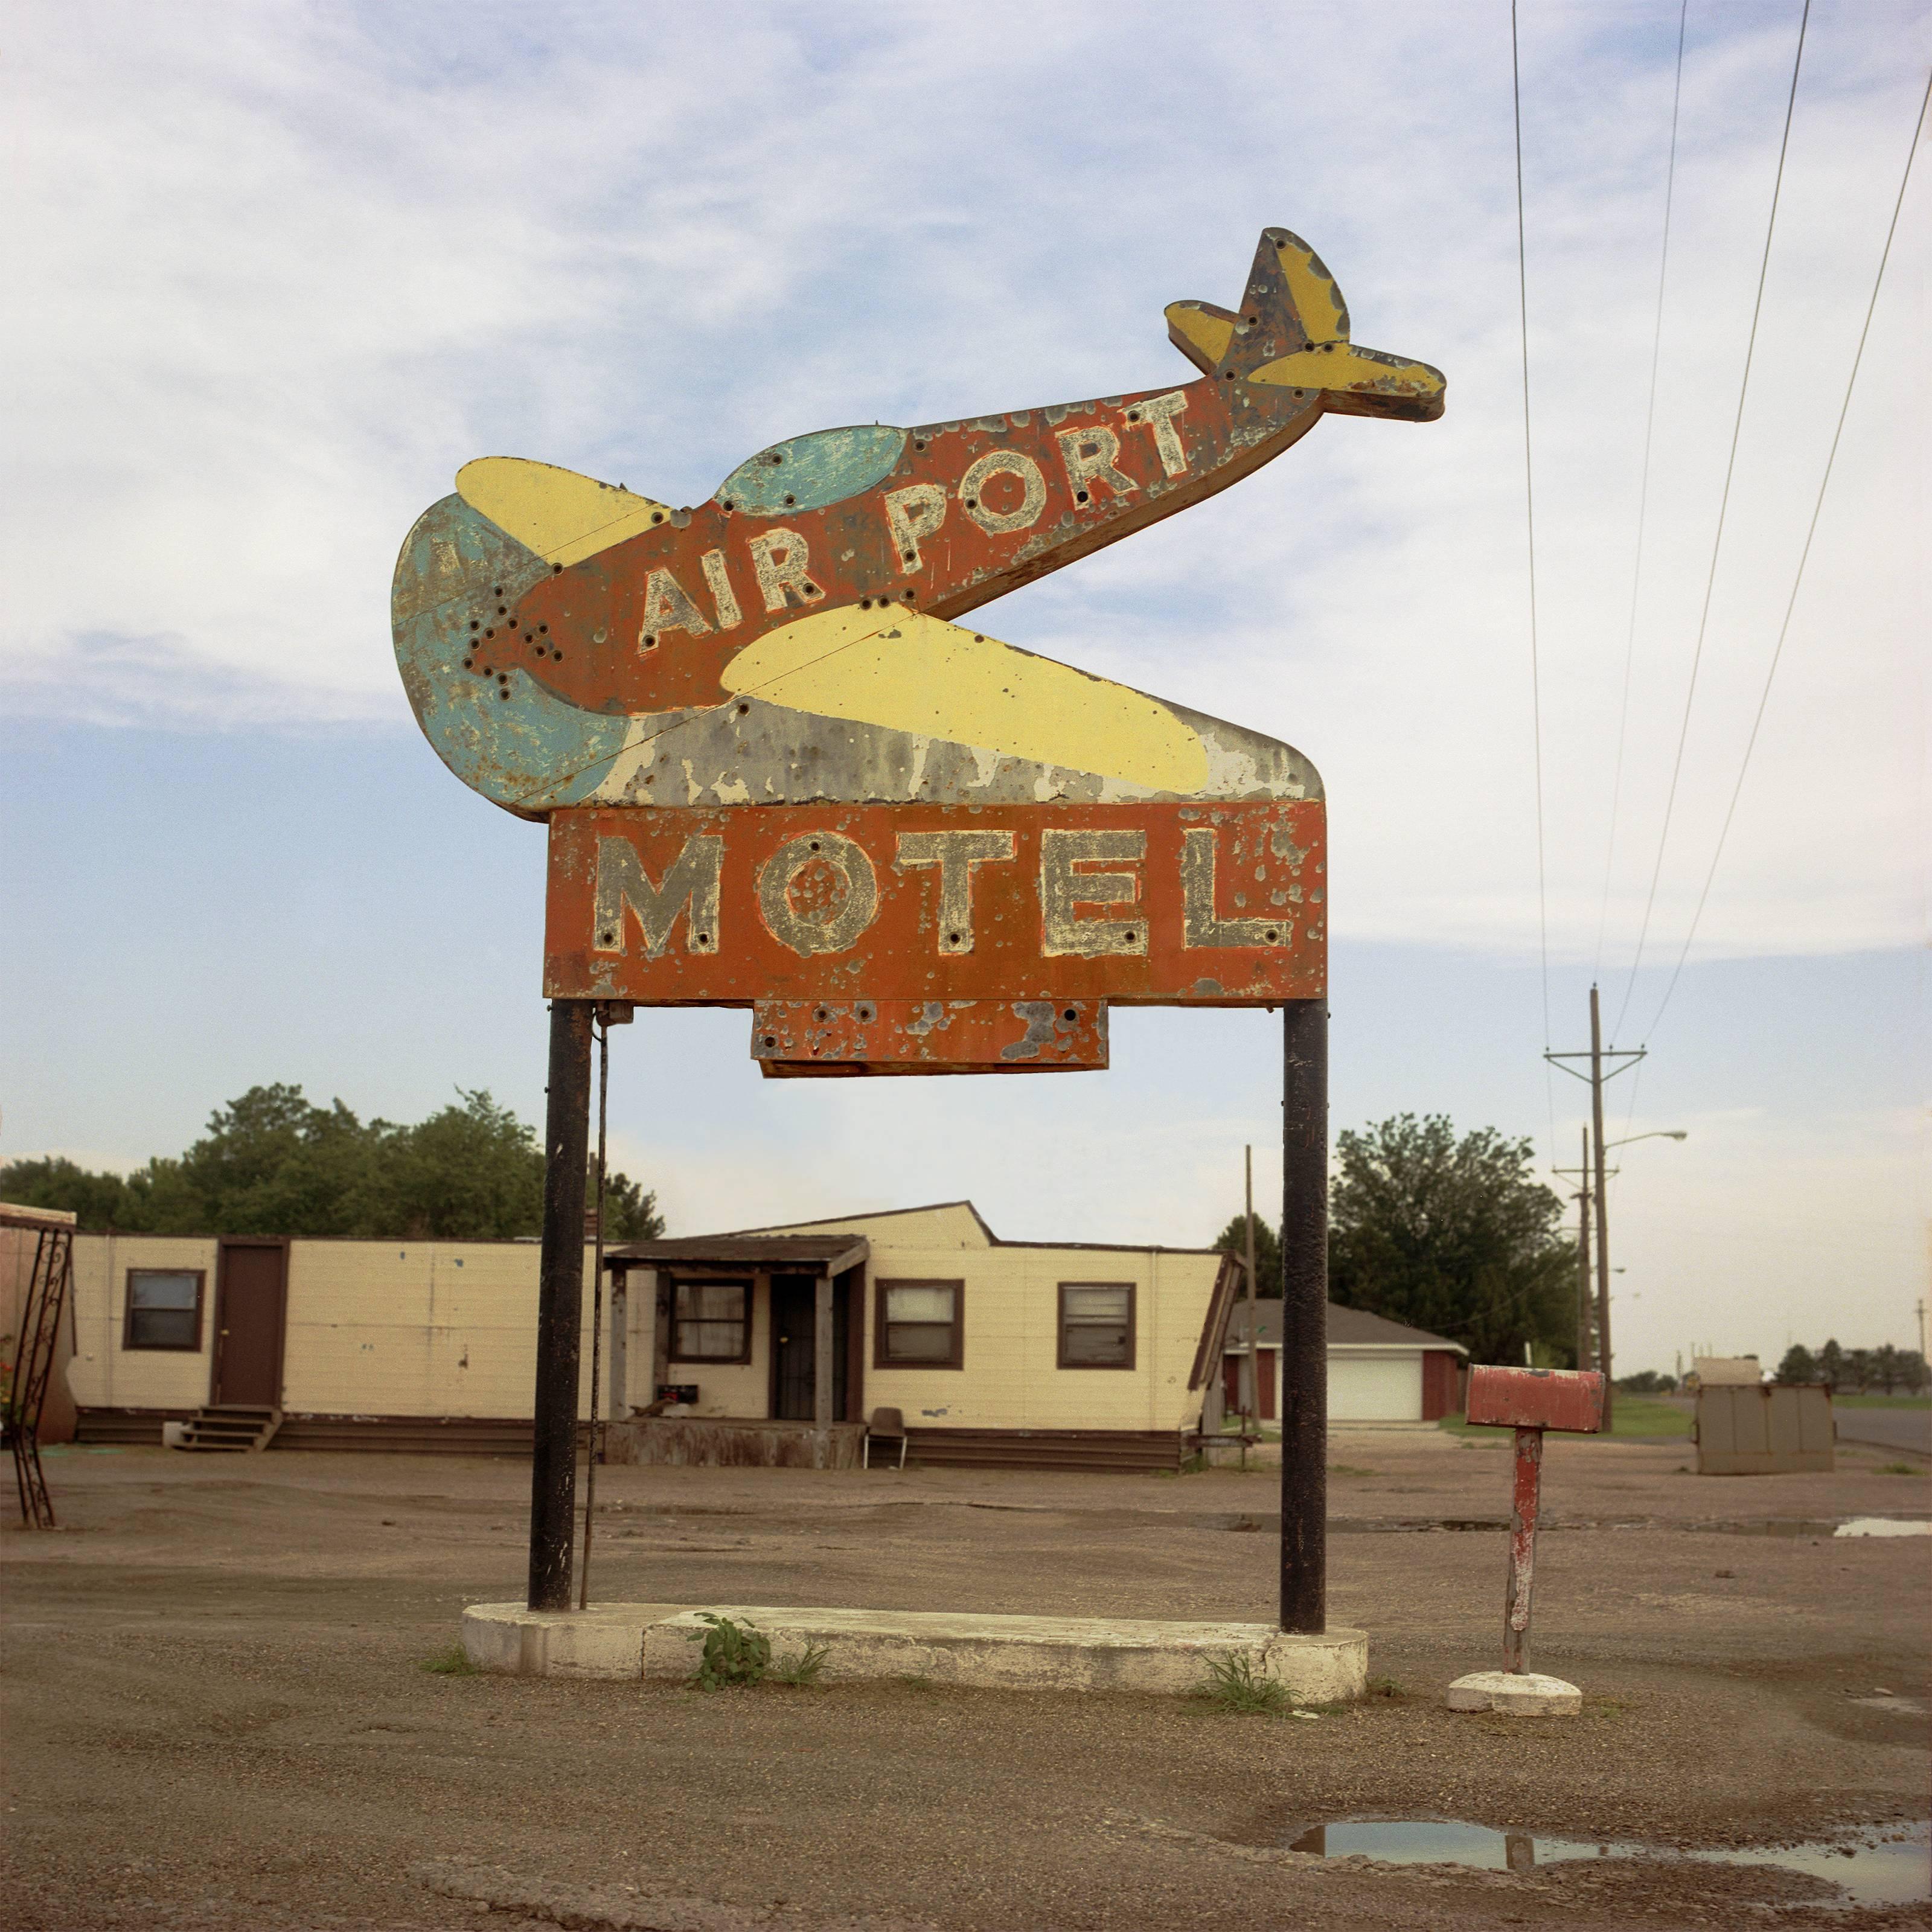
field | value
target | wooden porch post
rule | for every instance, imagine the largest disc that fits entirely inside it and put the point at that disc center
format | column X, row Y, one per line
column 821, row 1372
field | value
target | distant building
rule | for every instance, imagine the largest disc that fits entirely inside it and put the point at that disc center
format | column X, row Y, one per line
column 1724, row 1371
column 1379, row 1370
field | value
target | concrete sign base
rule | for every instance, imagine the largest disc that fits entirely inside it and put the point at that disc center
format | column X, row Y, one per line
column 660, row 1641
column 1515, row 1694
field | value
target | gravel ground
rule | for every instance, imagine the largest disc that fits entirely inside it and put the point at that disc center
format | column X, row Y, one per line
column 216, row 1713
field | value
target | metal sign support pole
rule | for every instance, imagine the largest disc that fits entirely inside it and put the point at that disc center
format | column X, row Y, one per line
column 560, row 1306
column 1304, row 1317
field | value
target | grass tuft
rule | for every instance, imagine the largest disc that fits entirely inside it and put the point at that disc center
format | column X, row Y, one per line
column 1384, row 1686
column 1900, row 1469
column 801, row 1671
column 452, row 1661
column 735, row 1656
column 1232, row 1685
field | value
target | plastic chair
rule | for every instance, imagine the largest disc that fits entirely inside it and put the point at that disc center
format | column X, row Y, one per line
column 886, row 1424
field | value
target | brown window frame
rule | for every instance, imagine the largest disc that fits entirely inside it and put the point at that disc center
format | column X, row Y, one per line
column 1133, row 1325
column 955, row 1356
column 710, row 1281
column 128, row 1311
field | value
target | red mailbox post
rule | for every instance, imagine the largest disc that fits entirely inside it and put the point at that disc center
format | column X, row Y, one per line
column 1529, row 1401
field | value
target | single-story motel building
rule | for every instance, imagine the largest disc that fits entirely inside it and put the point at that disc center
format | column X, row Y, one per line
column 769, row 1346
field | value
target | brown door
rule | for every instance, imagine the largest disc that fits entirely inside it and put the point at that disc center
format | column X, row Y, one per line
column 251, row 1305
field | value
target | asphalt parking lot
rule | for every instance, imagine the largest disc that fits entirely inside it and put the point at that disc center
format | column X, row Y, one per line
column 217, row 1715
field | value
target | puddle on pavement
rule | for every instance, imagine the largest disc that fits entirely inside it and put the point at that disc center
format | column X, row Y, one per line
column 1885, row 1865
column 1794, row 1527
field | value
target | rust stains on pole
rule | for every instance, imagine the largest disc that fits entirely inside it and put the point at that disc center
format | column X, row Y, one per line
column 1304, row 1317
column 1522, row 1550
column 559, row 1306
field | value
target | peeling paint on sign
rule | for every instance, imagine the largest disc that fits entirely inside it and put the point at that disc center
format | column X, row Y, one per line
column 780, row 772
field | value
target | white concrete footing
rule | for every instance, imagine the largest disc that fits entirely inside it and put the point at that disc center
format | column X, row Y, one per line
column 661, row 1641
column 1515, row 1693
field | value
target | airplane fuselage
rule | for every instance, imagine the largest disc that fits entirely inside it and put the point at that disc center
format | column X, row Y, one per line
column 941, row 518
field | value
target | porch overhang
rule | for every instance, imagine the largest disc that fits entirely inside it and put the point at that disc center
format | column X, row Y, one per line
column 824, row 1255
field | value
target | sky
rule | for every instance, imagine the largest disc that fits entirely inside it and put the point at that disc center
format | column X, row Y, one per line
column 280, row 269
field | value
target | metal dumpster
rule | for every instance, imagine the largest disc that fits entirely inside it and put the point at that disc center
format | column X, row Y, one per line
column 1767, row 1429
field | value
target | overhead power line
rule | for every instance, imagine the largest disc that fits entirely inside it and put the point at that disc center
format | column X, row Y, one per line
column 1718, row 541
column 1643, row 492
column 1798, row 577
column 1529, row 517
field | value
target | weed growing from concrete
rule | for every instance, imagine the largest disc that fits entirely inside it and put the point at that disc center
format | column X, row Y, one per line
column 735, row 1656
column 1384, row 1686
column 801, row 1671
column 1232, row 1685
column 453, row 1661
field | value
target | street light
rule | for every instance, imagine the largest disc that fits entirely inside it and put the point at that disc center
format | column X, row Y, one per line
column 1603, row 1254
column 1585, row 1194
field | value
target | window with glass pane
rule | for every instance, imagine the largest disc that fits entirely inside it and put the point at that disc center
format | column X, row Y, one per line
column 1097, row 1324
column 712, row 1322
column 163, row 1308
column 918, row 1325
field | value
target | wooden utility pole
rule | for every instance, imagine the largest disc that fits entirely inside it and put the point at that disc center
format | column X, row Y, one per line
column 1601, row 1069
column 1603, row 1212
column 1583, row 1257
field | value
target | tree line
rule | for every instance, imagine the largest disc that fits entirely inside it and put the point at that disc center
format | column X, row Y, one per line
column 1857, row 1371
column 272, row 1162
column 1449, row 1233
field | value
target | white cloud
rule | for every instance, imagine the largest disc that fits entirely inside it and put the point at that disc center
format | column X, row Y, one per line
column 293, row 266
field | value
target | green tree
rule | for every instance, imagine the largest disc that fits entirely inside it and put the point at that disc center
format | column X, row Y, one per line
column 1646, row 1382
column 1454, row 1235
column 99, row 1199
column 1913, row 1375
column 630, row 1214
column 1233, row 1240
column 1860, row 1369
column 1799, row 1365
column 1831, row 1364
column 473, row 1172
column 272, row 1162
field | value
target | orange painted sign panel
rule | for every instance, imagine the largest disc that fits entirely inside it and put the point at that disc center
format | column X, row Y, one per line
column 1155, row 904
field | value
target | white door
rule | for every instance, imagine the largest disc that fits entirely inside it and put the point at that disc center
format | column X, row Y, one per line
column 1375, row 1388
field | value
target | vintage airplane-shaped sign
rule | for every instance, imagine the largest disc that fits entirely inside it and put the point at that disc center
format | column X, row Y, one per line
column 575, row 651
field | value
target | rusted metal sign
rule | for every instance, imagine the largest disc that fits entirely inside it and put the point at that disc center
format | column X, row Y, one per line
column 775, row 766
column 1199, row 905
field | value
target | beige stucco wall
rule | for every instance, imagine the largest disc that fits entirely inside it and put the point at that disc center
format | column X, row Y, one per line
column 1009, row 1378
column 449, row 1328
column 103, row 1374
column 724, row 1388
column 374, row 1327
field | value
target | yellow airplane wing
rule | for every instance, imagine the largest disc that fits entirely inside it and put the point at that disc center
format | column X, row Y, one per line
column 909, row 672
column 564, row 517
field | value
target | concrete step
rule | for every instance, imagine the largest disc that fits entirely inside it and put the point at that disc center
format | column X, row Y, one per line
column 662, row 1641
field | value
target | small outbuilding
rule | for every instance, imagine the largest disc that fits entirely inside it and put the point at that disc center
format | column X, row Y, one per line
column 1379, row 1370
